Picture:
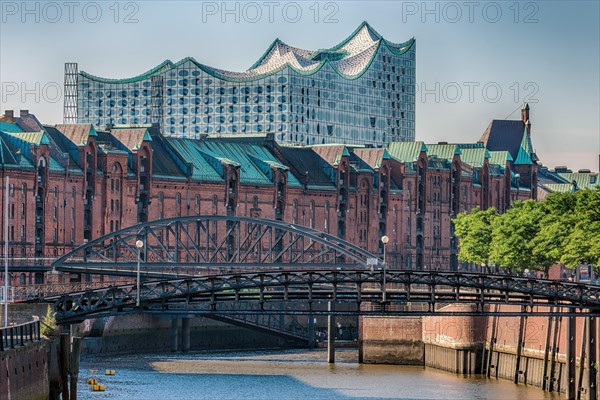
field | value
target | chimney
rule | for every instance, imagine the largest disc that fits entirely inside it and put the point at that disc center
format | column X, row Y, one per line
column 24, row 113
column 9, row 113
column 525, row 112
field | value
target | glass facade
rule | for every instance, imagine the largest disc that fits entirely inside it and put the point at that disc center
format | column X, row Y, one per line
column 359, row 92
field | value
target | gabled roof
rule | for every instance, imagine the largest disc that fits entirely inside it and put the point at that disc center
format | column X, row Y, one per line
column 500, row 157
column 474, row 157
column 308, row 166
column 78, row 134
column 406, row 151
column 35, row 138
column 444, row 151
column 332, row 153
column 504, row 135
column 372, row 157
column 131, row 138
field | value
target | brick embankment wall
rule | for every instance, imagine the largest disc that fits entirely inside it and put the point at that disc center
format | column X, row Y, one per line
column 457, row 343
column 454, row 344
column 391, row 340
column 146, row 333
column 24, row 372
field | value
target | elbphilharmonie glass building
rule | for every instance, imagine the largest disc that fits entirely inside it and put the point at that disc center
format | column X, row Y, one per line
column 361, row 91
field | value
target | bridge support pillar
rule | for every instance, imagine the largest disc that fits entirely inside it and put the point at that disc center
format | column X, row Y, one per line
column 571, row 392
column 311, row 331
column 185, row 334
column 330, row 333
column 174, row 334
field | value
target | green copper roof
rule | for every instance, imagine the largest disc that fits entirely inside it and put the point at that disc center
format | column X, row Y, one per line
column 406, row 151
column 525, row 150
column 36, row 138
column 474, row 157
column 9, row 127
column 500, row 157
column 559, row 187
column 585, row 180
column 444, row 151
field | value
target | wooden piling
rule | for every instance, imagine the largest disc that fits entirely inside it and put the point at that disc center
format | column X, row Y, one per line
column 592, row 392
column 545, row 377
column 330, row 333
column 554, row 383
column 522, row 322
column 65, row 347
column 493, row 335
column 571, row 389
column 74, row 366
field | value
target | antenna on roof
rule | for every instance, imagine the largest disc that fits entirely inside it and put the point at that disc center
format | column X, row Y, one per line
column 518, row 108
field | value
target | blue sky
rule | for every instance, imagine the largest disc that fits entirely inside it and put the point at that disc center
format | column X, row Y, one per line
column 476, row 61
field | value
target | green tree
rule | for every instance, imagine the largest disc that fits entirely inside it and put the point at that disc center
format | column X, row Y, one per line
column 583, row 244
column 474, row 230
column 48, row 327
column 555, row 228
column 512, row 237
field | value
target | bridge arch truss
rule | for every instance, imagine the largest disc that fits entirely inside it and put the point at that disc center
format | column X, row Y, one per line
column 200, row 245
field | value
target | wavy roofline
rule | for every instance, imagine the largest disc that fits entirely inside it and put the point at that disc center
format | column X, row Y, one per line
column 168, row 65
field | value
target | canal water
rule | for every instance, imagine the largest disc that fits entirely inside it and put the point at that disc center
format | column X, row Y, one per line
column 281, row 375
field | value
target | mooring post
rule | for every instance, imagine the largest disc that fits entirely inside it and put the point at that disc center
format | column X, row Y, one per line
column 174, row 334
column 74, row 366
column 592, row 393
column 545, row 377
column 571, row 389
column 185, row 334
column 311, row 331
column 330, row 334
column 65, row 347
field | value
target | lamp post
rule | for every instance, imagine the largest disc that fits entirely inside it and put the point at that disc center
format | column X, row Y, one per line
column 139, row 244
column 384, row 240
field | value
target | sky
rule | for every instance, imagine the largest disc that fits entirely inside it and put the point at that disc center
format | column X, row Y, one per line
column 476, row 60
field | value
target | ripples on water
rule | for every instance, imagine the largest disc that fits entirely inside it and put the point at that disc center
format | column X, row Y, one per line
column 282, row 375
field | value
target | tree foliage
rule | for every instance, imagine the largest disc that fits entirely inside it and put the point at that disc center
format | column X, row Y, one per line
column 532, row 235
column 48, row 326
column 475, row 232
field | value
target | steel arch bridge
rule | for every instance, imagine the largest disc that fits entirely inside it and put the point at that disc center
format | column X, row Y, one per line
column 210, row 295
column 200, row 245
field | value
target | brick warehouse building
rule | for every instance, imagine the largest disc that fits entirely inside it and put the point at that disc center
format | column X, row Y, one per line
column 72, row 183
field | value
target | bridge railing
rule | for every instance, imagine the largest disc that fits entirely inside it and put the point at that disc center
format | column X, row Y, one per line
column 33, row 292
column 19, row 335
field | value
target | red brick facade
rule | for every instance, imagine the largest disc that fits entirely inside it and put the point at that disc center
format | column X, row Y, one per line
column 63, row 195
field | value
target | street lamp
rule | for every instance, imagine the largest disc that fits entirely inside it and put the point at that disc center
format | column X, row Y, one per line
column 139, row 244
column 384, row 240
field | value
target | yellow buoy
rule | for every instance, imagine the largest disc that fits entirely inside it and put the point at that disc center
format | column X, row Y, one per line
column 92, row 381
column 110, row 372
column 93, row 371
column 97, row 388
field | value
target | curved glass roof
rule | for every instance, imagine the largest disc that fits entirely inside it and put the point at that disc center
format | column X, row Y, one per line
column 350, row 58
